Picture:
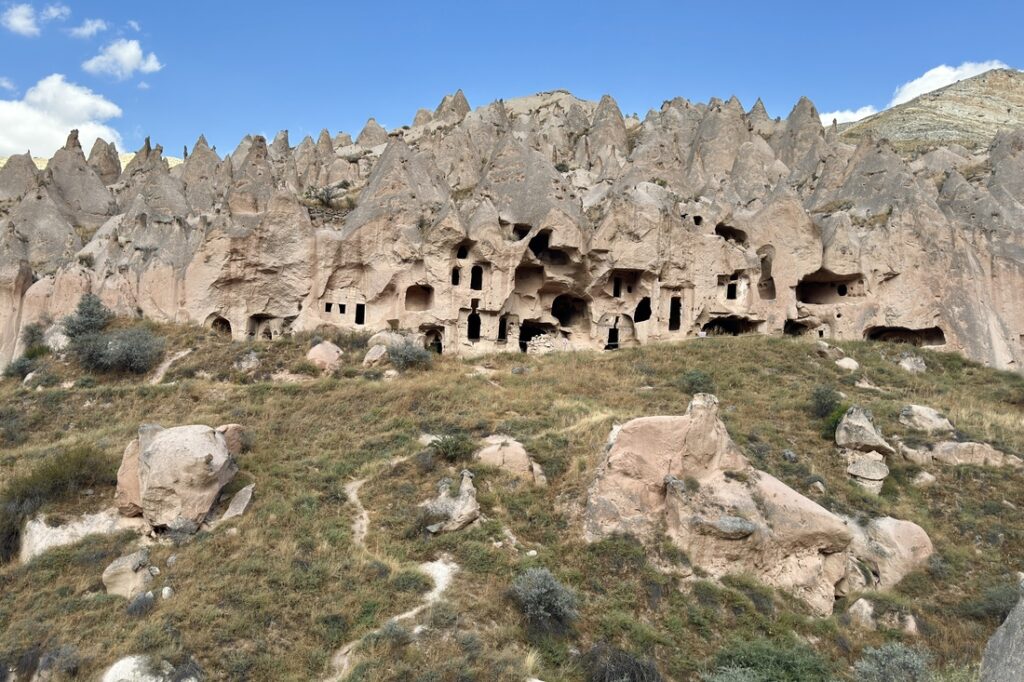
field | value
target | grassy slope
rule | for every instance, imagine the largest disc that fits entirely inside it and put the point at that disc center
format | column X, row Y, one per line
column 273, row 601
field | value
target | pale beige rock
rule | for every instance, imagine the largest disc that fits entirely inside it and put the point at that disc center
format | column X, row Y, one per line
column 458, row 511
column 181, row 472
column 325, row 355
column 923, row 479
column 862, row 614
column 848, row 364
column 509, row 455
column 39, row 535
column 953, row 453
column 239, row 503
column 129, row 575
column 891, row 548
column 856, row 431
column 128, row 495
column 913, row 364
column 377, row 356
column 235, row 438
column 926, row 419
column 868, row 470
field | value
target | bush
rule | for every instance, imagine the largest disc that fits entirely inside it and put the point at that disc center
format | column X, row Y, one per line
column 20, row 368
column 12, row 429
column 305, row 367
column 411, row 581
column 609, row 664
column 771, row 661
column 140, row 605
column 136, row 351
column 548, row 605
column 562, row 167
column 408, row 354
column 695, row 381
column 453, row 447
column 54, row 479
column 994, row 604
column 893, row 662
column 733, row 675
column 33, row 336
column 90, row 317
column 824, row 401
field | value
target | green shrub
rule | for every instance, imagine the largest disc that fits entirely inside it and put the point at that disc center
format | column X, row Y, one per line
column 54, row 479
column 136, row 351
column 547, row 604
column 453, row 447
column 773, row 661
column 562, row 167
column 696, row 381
column 33, row 334
column 733, row 675
column 90, row 317
column 828, row 429
column 411, row 581
column 20, row 368
column 12, row 429
column 604, row 663
column 824, row 401
column 893, row 662
column 994, row 604
column 305, row 367
column 409, row 354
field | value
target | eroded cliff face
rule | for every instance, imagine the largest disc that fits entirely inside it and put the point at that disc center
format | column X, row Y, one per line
column 543, row 222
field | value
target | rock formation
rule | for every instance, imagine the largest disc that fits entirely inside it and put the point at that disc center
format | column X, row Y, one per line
column 544, row 223
column 687, row 475
column 1004, row 655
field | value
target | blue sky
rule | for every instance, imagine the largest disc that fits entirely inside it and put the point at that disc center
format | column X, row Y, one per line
column 173, row 70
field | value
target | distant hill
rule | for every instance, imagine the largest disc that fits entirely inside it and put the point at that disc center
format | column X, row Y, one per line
column 968, row 112
column 125, row 158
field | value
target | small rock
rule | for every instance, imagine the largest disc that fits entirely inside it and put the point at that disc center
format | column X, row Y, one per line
column 926, row 419
column 239, row 503
column 868, row 470
column 167, row 592
column 325, row 355
column 154, row 571
column 376, row 356
column 234, row 437
column 789, row 456
column 233, row 531
column 849, row 364
column 390, row 374
column 818, row 488
column 913, row 364
column 141, row 604
column 171, row 560
column 923, row 479
column 862, row 614
column 128, row 576
column 857, row 431
column 519, row 370
column 532, row 552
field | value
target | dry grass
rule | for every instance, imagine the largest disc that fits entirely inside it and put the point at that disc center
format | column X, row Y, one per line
column 274, row 601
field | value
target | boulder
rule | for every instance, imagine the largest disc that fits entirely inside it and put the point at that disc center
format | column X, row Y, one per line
column 235, row 438
column 954, row 453
column 239, row 502
column 129, row 575
column 181, row 472
column 868, row 470
column 862, row 614
column 141, row 668
column 128, row 495
column 926, row 419
column 377, row 356
column 457, row 512
column 325, row 355
column 509, row 455
column 1003, row 660
column 913, row 364
column 847, row 363
column 856, row 431
column 890, row 549
column 923, row 479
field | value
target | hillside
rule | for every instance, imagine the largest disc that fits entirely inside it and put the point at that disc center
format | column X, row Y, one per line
column 968, row 113
column 274, row 593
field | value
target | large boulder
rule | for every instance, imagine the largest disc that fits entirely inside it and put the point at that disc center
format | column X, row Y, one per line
column 454, row 511
column 687, row 475
column 926, row 419
column 857, row 431
column 325, row 355
column 181, row 470
column 889, row 549
column 129, row 575
column 509, row 455
column 955, row 453
column 1003, row 660
column 867, row 469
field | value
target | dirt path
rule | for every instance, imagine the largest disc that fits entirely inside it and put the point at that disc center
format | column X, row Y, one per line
column 161, row 370
column 440, row 571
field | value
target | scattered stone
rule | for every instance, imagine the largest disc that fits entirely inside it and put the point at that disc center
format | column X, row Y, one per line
column 848, row 363
column 248, row 362
column 138, row 669
column 926, row 419
column 519, row 370
column 828, row 351
column 862, row 614
column 166, row 592
column 171, row 560
column 377, row 356
column 954, row 453
column 856, row 431
column 790, row 456
column 868, row 470
column 509, row 455
column 531, row 553
column 922, row 479
column 867, row 385
column 239, row 503
column 818, row 488
column 457, row 512
column 129, row 575
column 914, row 364
column 141, row 604
column 1003, row 660
column 325, row 355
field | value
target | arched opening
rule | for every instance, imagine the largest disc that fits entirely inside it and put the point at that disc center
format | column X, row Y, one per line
column 675, row 314
column 476, row 278
column 531, row 329
column 643, row 310
column 462, row 252
column 795, row 328
column 698, row 220
column 766, row 283
column 730, row 325
column 360, row 313
column 569, row 310
column 824, row 286
column 419, row 297
column 520, row 230
column 473, row 326
column 456, row 276
column 540, row 247
column 529, row 279
column 503, row 329
column 433, row 340
column 929, row 336
column 221, row 326
column 613, row 339
column 731, row 234
column 262, row 327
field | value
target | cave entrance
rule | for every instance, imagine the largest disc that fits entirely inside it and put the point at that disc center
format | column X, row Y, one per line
column 360, row 313
column 433, row 339
column 419, row 297
column 541, row 248
column 503, row 329
column 456, row 276
column 221, row 326
column 796, row 328
column 476, row 278
column 929, row 336
column 730, row 325
column 473, row 326
column 675, row 314
column 825, row 286
column 530, row 329
column 569, row 310
column 766, row 283
column 613, row 339
column 643, row 310
column 731, row 234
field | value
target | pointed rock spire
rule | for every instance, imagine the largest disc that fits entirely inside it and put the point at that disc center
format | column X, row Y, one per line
column 453, row 108
column 423, row 117
column 18, row 176
column 373, row 134
column 105, row 161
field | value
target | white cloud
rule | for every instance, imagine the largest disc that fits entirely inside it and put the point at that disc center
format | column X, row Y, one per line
column 20, row 19
column 143, row 85
column 121, row 59
column 940, row 77
column 56, row 12
column 847, row 115
column 7, row 84
column 89, row 28
column 41, row 120
column 134, row 25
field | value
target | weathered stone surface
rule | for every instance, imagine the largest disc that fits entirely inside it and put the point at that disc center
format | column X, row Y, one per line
column 235, row 438
column 954, row 453
column 239, row 502
column 890, row 548
column 1003, row 660
column 862, row 614
column 376, row 356
column 856, row 431
column 848, row 364
column 914, row 364
column 456, row 511
column 39, row 536
column 325, row 355
column 923, row 479
column 868, row 470
column 129, row 575
column 926, row 419
column 509, row 455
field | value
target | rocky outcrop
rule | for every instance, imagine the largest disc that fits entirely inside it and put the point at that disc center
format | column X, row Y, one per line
column 325, row 355
column 129, row 575
column 925, row 419
column 534, row 224
column 179, row 473
column 41, row 534
column 510, row 456
column 954, row 453
column 685, row 474
column 454, row 511
column 1003, row 660
column 857, row 431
